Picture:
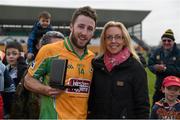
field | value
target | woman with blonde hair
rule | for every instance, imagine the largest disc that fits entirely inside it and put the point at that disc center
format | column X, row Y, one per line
column 119, row 87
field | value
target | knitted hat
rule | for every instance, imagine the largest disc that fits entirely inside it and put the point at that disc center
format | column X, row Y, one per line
column 168, row 34
column 170, row 81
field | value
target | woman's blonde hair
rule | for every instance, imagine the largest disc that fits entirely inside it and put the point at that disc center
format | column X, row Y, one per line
column 125, row 34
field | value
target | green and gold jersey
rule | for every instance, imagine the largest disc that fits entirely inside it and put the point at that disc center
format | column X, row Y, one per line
column 72, row 103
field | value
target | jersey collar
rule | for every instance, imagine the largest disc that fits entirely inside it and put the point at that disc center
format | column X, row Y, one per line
column 69, row 47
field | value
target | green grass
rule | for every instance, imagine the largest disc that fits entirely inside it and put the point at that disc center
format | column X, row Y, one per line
column 151, row 82
column 151, row 79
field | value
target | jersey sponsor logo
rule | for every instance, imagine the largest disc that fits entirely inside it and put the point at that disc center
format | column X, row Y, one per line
column 84, row 85
column 70, row 66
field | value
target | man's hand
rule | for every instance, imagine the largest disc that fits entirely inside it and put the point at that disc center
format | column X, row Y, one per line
column 52, row 92
column 36, row 86
column 160, row 67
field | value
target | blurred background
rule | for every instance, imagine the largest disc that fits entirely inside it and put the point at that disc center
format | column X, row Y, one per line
column 146, row 20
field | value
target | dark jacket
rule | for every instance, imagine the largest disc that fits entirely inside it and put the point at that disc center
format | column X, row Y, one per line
column 18, row 73
column 121, row 93
column 21, row 68
column 6, row 79
column 36, row 33
column 172, row 62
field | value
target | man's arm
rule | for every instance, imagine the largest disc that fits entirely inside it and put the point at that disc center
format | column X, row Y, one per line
column 34, row 85
column 174, row 68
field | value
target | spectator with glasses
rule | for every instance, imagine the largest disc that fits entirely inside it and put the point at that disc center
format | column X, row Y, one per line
column 119, row 85
column 164, row 61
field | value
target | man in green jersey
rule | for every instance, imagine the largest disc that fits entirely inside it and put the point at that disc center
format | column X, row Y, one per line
column 68, row 103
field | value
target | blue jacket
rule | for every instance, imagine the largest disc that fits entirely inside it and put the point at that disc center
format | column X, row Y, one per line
column 172, row 62
column 36, row 33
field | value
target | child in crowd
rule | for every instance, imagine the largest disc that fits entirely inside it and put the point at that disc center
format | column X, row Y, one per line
column 16, row 67
column 168, row 107
column 40, row 27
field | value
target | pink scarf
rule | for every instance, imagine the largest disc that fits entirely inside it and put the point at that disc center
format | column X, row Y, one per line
column 111, row 60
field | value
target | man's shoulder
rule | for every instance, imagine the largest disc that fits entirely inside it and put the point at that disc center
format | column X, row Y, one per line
column 51, row 49
column 176, row 50
column 158, row 49
column 52, row 46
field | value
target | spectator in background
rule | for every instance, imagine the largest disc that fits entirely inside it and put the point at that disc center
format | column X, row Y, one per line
column 51, row 37
column 16, row 67
column 2, row 55
column 141, row 56
column 168, row 107
column 142, row 59
column 119, row 86
column 40, row 27
column 164, row 61
column 6, row 84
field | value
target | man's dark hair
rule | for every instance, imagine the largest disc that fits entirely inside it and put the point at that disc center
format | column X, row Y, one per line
column 86, row 11
column 44, row 14
column 14, row 44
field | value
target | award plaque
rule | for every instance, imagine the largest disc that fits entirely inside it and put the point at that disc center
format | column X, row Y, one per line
column 58, row 74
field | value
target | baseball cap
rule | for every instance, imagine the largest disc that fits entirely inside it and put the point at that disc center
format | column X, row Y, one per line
column 170, row 81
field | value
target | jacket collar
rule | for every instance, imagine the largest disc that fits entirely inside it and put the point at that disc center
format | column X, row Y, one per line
column 99, row 63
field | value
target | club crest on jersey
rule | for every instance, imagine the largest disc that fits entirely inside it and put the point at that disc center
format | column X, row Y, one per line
column 81, row 68
column 32, row 65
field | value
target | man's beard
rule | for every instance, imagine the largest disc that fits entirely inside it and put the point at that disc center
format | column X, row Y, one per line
column 74, row 41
